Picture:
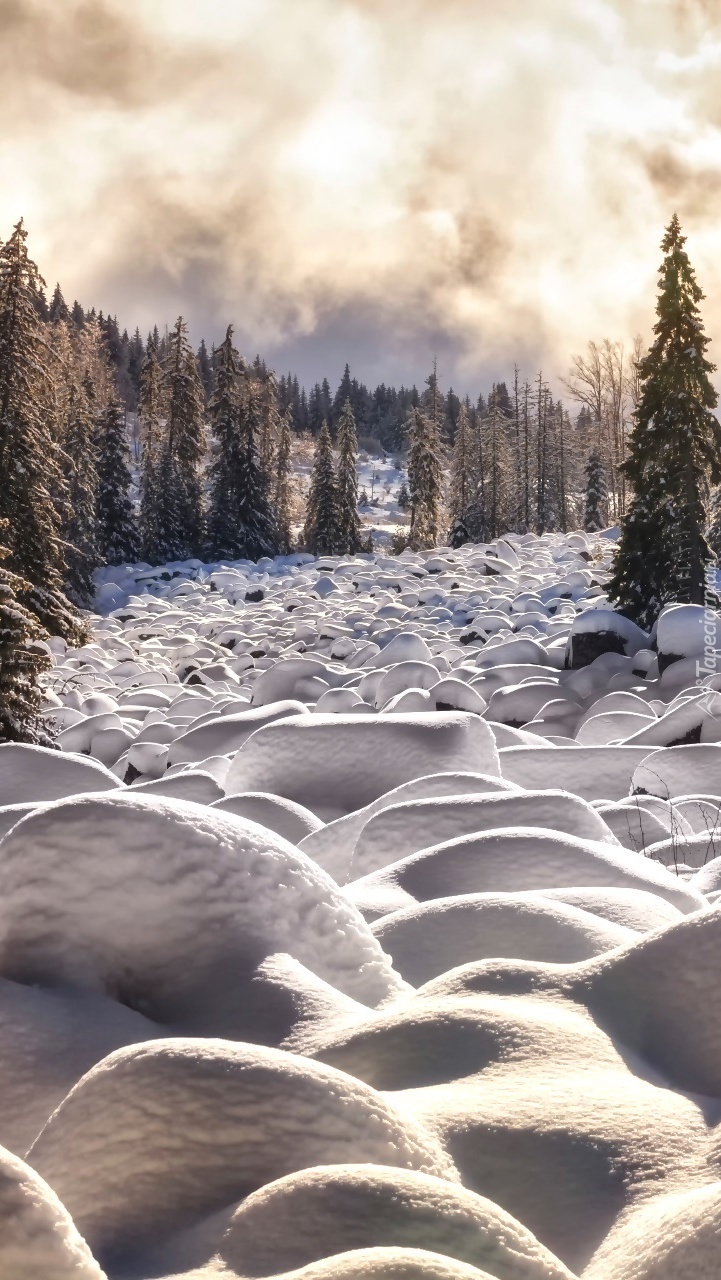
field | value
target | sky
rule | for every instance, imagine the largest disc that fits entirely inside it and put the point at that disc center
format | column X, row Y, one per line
column 377, row 181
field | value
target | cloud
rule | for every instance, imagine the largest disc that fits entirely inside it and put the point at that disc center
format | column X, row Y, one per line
column 88, row 49
column 353, row 179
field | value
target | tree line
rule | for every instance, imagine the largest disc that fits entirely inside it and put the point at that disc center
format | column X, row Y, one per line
column 215, row 438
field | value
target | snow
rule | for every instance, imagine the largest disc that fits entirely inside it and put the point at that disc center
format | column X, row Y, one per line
column 306, row 758
column 364, row 924
column 363, row 1206
column 38, row 1237
column 427, row 940
column 679, row 771
column 333, row 844
column 401, row 829
column 169, row 906
column 593, row 773
column 32, row 774
column 158, row 1136
column 517, row 859
column 686, row 630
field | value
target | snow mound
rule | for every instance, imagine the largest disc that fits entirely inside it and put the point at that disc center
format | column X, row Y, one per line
column 223, row 734
column 635, row 826
column 372, row 1264
column 419, row 1043
column 49, row 1038
column 404, row 828
column 194, row 785
column 679, row 771
column 675, row 1237
column 653, row 999
column 631, row 908
column 160, row 1136
column 333, row 844
column 291, row 821
column 517, row 859
column 157, row 903
column 598, row 631
column 38, row 1239
column 427, row 940
column 331, row 1210
column 682, row 631
column 312, row 759
column 593, row 773
column 30, row 774
column 566, row 1156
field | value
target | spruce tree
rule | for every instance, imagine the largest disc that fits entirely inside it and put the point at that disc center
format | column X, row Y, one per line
column 713, row 532
column 345, row 392
column 171, row 541
column 675, row 448
column 41, row 304
column 205, row 369
column 23, row 658
column 349, row 525
column 425, row 478
column 118, row 538
column 74, row 432
column 461, row 466
column 185, row 445
column 241, row 522
column 434, row 405
column 267, row 388
column 81, row 474
column 58, row 307
column 498, row 491
column 31, row 481
column 596, row 495
column 150, row 405
column 458, row 533
column 283, row 494
column 321, row 533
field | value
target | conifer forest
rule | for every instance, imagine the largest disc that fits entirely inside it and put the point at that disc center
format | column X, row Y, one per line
column 118, row 448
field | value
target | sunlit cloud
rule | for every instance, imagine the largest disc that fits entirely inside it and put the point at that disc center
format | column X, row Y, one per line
column 350, row 179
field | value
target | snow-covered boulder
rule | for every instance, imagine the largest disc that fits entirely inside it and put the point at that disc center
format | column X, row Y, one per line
column 333, row 1209
column 49, row 1037
column 673, row 1237
column 679, row 771
column 433, row 937
column 169, row 907
column 333, row 844
column 291, row 821
column 689, row 631
column 38, row 1238
column 335, row 764
column 225, row 733
column 31, row 774
column 598, row 631
column 636, row 909
column 158, row 1137
column 403, row 828
column 593, row 773
column 652, row 998
column 516, row 860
